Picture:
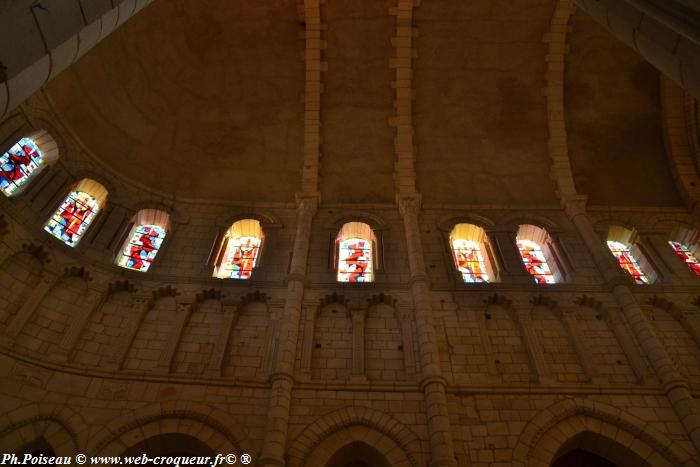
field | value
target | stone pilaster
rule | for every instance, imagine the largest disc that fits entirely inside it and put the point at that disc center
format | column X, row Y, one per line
column 358, row 317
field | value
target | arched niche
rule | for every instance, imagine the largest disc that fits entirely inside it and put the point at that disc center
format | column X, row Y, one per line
column 331, row 354
column 592, row 449
column 17, row 274
column 596, row 427
column 170, row 444
column 679, row 343
column 247, row 355
column 558, row 352
column 199, row 337
column 36, row 447
column 46, row 326
column 509, row 351
column 606, row 352
column 356, row 446
column 106, row 327
column 357, row 454
column 384, row 351
column 152, row 336
column 46, row 435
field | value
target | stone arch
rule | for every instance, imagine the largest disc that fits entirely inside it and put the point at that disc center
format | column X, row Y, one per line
column 248, row 351
column 557, row 40
column 331, row 353
column 199, row 337
column 58, row 427
column 681, row 145
column 673, row 330
column 447, row 223
column 560, row 356
column 153, row 334
column 504, row 335
column 17, row 273
column 106, row 328
column 606, row 350
column 220, row 432
column 322, row 438
column 384, row 344
column 541, row 440
column 46, row 325
column 515, row 220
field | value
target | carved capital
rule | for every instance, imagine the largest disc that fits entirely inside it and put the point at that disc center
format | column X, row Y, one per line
column 409, row 205
column 308, row 203
column 574, row 205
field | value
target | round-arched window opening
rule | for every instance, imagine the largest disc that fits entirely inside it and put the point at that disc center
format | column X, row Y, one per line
column 468, row 244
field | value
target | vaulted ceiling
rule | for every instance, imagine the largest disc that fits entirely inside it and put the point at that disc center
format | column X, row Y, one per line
column 204, row 100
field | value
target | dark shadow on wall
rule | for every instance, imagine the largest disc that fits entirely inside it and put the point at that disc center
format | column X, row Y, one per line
column 357, row 454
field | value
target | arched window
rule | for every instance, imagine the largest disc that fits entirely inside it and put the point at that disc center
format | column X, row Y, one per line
column 144, row 240
column 355, row 246
column 78, row 210
column 535, row 246
column 685, row 244
column 239, row 250
column 467, row 242
column 24, row 160
column 621, row 242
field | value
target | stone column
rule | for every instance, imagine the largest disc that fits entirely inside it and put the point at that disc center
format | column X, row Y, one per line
column 512, row 269
column 674, row 386
column 432, row 382
column 52, row 38
column 282, row 377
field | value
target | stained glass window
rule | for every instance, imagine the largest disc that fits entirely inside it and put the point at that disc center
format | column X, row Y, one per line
column 142, row 248
column 355, row 253
column 18, row 164
column 627, row 261
column 73, row 217
column 686, row 256
column 240, row 250
column 535, row 261
column 355, row 260
column 466, row 241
